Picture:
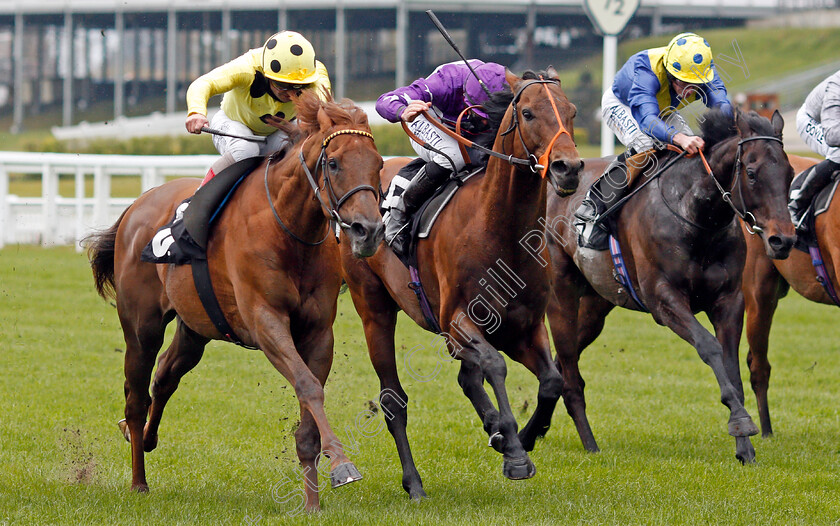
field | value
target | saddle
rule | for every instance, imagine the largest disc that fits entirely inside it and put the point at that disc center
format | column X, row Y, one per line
column 184, row 238
column 421, row 222
column 806, row 238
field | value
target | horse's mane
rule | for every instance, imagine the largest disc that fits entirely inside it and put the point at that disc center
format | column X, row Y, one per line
column 344, row 113
column 717, row 126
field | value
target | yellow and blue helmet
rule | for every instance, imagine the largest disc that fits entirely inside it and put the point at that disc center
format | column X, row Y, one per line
column 689, row 58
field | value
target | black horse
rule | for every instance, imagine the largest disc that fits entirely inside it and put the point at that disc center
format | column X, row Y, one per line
column 684, row 253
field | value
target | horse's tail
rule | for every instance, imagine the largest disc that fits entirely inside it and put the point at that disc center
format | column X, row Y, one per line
column 100, row 250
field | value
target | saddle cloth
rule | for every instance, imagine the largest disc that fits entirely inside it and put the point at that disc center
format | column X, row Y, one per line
column 819, row 205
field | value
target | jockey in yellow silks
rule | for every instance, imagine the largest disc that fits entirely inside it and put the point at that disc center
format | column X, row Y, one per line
column 257, row 89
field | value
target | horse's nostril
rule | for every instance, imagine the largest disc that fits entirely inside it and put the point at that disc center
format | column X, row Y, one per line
column 559, row 167
column 778, row 242
column 358, row 229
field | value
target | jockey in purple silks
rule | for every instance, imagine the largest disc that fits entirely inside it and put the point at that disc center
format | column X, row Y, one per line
column 449, row 90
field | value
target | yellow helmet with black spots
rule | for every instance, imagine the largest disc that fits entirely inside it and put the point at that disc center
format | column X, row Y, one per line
column 688, row 57
column 289, row 57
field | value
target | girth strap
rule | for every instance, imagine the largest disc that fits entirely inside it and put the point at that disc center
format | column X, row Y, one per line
column 204, row 287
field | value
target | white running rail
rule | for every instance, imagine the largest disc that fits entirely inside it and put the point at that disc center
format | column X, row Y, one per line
column 53, row 219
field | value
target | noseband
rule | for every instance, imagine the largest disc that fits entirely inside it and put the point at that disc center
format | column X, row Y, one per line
column 334, row 201
column 744, row 214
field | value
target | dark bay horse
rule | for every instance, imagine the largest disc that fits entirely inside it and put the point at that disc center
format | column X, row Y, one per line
column 684, row 253
column 766, row 281
column 488, row 292
column 278, row 293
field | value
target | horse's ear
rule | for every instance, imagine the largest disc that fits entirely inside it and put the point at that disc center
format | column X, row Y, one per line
column 511, row 79
column 741, row 123
column 324, row 121
column 778, row 123
column 552, row 73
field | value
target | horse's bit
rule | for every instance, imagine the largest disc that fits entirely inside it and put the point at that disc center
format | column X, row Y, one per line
column 334, row 201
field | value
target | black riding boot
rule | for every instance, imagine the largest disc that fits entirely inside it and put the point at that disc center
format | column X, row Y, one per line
column 606, row 191
column 421, row 188
column 800, row 199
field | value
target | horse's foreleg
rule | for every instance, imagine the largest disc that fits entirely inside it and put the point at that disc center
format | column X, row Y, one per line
column 471, row 380
column 142, row 342
column 517, row 465
column 727, row 317
column 672, row 310
column 275, row 340
column 761, row 297
column 535, row 355
column 562, row 315
column 183, row 354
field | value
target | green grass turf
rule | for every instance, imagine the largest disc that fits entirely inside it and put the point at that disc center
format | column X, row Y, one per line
column 226, row 444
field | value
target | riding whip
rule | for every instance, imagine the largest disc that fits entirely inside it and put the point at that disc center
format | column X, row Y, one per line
column 445, row 34
column 252, row 138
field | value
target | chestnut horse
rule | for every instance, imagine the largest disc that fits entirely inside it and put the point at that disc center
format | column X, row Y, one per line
column 766, row 281
column 278, row 292
column 476, row 240
column 684, row 254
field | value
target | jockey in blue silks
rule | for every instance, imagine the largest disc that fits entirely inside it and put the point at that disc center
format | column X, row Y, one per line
column 641, row 109
column 447, row 91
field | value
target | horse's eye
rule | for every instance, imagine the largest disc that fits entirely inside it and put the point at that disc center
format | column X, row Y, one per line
column 527, row 115
column 751, row 174
column 332, row 164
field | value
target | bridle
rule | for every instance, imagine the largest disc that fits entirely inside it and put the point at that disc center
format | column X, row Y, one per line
column 746, row 216
column 536, row 165
column 334, row 202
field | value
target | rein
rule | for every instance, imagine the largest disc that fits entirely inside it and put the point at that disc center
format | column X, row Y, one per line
column 334, row 201
column 531, row 161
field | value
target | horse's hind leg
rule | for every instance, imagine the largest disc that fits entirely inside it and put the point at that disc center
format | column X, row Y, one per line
column 727, row 317
column 143, row 338
column 183, row 354
column 575, row 322
column 379, row 318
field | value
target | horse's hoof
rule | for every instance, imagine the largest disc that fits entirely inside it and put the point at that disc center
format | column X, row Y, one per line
column 417, row 495
column 150, row 445
column 124, row 428
column 140, row 488
column 344, row 474
column 519, row 468
column 497, row 442
column 742, row 427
